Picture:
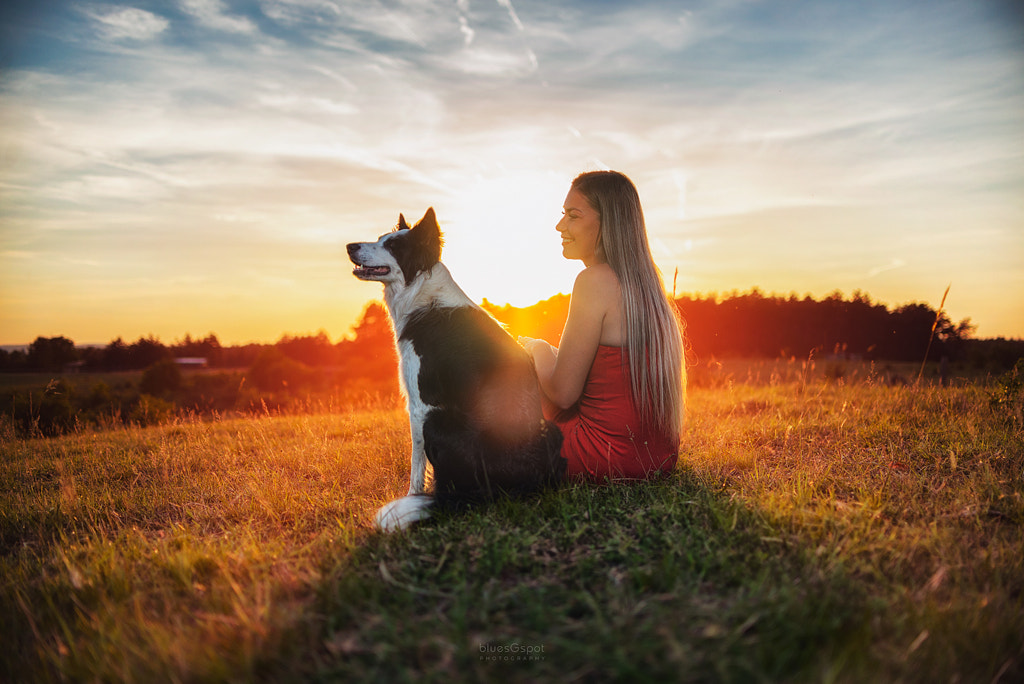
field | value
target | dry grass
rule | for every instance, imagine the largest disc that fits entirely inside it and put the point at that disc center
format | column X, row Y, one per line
column 174, row 551
column 916, row 492
column 814, row 531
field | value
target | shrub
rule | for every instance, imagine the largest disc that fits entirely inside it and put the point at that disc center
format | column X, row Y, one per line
column 49, row 413
column 1007, row 397
column 151, row 411
column 162, row 379
column 274, row 372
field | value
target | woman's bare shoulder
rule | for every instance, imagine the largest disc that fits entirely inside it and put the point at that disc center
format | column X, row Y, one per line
column 598, row 279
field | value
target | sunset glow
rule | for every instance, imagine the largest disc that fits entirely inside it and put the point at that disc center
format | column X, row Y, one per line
column 198, row 166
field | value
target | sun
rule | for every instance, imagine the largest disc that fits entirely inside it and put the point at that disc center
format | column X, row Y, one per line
column 500, row 238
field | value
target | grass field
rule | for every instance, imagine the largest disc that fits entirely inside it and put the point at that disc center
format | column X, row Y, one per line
column 813, row 532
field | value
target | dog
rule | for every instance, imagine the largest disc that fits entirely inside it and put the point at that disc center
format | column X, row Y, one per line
column 472, row 392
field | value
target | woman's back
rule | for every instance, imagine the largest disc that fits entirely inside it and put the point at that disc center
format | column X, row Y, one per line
column 604, row 436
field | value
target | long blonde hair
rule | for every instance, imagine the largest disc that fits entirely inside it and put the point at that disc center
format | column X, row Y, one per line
column 652, row 328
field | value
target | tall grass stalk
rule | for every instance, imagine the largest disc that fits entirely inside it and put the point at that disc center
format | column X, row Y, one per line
column 931, row 336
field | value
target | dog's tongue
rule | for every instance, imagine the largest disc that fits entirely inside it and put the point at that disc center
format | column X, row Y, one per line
column 371, row 270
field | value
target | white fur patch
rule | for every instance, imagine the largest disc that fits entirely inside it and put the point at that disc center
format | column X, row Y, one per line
column 429, row 288
column 409, row 366
column 400, row 514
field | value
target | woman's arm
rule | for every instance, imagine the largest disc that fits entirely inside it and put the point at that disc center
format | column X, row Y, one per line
column 563, row 372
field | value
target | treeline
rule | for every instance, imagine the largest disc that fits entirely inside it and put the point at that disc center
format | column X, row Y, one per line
column 359, row 352
column 295, row 374
column 759, row 326
column 755, row 325
column 747, row 325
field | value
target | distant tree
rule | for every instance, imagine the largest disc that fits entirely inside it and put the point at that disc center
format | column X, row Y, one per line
column 368, row 359
column 373, row 329
column 146, row 351
column 92, row 357
column 51, row 353
column 16, row 360
column 116, row 355
column 242, row 356
column 311, row 350
column 274, row 372
column 208, row 348
column 998, row 354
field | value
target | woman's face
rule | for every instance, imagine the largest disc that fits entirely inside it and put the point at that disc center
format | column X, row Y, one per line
column 580, row 228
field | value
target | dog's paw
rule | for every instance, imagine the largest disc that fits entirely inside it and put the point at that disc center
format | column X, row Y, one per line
column 400, row 514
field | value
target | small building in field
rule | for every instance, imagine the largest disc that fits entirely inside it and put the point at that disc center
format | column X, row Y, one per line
column 185, row 362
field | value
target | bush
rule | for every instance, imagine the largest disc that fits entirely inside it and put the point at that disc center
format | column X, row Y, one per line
column 275, row 372
column 151, row 411
column 1007, row 397
column 211, row 392
column 49, row 413
column 162, row 379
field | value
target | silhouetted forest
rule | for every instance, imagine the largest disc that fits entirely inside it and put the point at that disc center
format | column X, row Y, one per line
column 755, row 325
column 747, row 325
column 205, row 377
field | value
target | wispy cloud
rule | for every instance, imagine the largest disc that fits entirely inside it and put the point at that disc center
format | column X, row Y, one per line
column 467, row 31
column 891, row 266
column 117, row 23
column 212, row 14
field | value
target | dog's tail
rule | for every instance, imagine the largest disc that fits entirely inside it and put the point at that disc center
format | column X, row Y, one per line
column 400, row 514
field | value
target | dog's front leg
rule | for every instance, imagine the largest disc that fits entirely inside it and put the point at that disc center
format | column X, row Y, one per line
column 418, row 461
column 409, row 364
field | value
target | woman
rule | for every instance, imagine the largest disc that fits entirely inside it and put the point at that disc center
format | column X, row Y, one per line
column 616, row 384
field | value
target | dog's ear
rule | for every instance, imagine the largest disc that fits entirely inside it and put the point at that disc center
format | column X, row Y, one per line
column 402, row 225
column 429, row 219
column 429, row 235
column 419, row 249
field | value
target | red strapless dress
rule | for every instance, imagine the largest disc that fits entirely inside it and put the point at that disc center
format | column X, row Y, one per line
column 603, row 435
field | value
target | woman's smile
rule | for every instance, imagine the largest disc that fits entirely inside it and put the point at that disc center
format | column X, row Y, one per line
column 580, row 229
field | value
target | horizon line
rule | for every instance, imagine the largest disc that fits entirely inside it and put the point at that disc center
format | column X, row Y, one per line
column 718, row 297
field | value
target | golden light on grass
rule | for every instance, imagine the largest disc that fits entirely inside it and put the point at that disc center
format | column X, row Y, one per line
column 242, row 547
column 226, row 520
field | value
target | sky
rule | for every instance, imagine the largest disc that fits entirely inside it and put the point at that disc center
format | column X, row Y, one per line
column 197, row 166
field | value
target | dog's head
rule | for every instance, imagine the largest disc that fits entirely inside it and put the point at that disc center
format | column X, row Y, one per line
column 401, row 255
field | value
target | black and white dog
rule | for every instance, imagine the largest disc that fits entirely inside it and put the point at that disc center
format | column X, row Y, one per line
column 473, row 398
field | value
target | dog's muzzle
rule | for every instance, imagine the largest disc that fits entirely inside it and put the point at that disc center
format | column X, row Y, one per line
column 364, row 271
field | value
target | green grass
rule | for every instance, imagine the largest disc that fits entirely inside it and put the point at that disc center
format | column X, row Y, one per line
column 812, row 532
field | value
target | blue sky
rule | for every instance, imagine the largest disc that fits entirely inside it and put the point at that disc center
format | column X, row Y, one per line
column 197, row 166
